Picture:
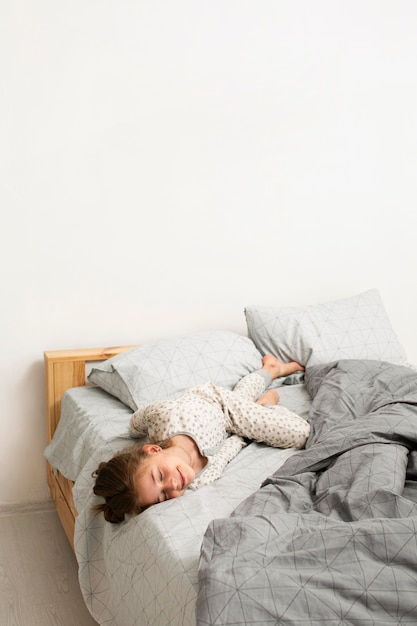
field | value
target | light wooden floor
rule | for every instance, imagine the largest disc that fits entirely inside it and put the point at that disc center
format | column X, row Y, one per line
column 38, row 573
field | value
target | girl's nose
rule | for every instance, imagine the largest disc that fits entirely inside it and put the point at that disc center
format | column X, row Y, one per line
column 172, row 487
column 174, row 493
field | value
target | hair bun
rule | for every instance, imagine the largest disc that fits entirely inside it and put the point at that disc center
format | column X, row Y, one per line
column 110, row 515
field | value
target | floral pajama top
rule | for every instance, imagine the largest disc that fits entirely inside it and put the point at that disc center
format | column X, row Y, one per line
column 218, row 419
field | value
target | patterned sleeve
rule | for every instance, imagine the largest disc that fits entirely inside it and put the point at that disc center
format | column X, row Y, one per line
column 217, row 463
column 138, row 424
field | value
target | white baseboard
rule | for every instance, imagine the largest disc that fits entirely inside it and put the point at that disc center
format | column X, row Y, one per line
column 20, row 508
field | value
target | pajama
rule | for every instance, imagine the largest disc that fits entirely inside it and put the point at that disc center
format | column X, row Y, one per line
column 218, row 419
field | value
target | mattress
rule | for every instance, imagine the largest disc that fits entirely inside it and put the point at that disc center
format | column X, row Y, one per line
column 144, row 571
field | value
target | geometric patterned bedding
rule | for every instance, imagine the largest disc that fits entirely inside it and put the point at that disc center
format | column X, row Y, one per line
column 145, row 570
column 91, row 420
column 330, row 538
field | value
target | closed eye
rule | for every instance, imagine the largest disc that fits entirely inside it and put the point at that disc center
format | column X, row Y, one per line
column 164, row 495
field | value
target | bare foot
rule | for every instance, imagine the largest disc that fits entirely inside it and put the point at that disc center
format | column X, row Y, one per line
column 277, row 368
column 269, row 397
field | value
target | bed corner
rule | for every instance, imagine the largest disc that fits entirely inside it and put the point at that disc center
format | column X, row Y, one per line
column 65, row 369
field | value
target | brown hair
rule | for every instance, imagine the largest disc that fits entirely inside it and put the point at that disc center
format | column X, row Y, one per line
column 115, row 482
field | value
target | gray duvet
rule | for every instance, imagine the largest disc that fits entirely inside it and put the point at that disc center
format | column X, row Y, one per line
column 330, row 538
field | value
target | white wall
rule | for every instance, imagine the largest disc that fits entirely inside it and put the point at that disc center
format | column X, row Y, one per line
column 165, row 163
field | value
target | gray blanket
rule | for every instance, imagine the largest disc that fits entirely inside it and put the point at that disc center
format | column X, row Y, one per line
column 330, row 538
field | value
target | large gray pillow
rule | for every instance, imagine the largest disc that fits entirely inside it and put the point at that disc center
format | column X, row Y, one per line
column 164, row 369
column 351, row 328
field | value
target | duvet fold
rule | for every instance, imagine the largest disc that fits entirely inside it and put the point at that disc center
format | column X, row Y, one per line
column 331, row 536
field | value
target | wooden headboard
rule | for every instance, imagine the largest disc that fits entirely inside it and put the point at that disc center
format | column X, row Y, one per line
column 65, row 369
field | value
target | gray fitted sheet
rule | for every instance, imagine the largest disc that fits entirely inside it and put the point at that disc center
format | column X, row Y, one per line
column 144, row 571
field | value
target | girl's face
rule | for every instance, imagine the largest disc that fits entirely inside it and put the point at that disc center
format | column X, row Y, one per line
column 163, row 475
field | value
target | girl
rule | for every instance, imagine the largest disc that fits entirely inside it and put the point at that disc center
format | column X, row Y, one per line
column 192, row 439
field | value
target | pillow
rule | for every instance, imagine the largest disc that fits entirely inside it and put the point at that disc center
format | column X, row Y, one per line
column 352, row 328
column 164, row 369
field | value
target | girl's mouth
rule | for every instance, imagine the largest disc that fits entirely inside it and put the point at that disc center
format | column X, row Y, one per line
column 182, row 478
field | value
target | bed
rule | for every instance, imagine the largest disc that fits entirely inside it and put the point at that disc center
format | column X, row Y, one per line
column 212, row 556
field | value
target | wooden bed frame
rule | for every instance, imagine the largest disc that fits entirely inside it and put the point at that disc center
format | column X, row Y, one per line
column 65, row 369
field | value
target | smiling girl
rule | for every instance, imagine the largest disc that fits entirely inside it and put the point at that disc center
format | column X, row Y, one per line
column 192, row 439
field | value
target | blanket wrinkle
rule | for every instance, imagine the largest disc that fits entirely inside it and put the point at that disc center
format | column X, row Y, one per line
column 333, row 531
